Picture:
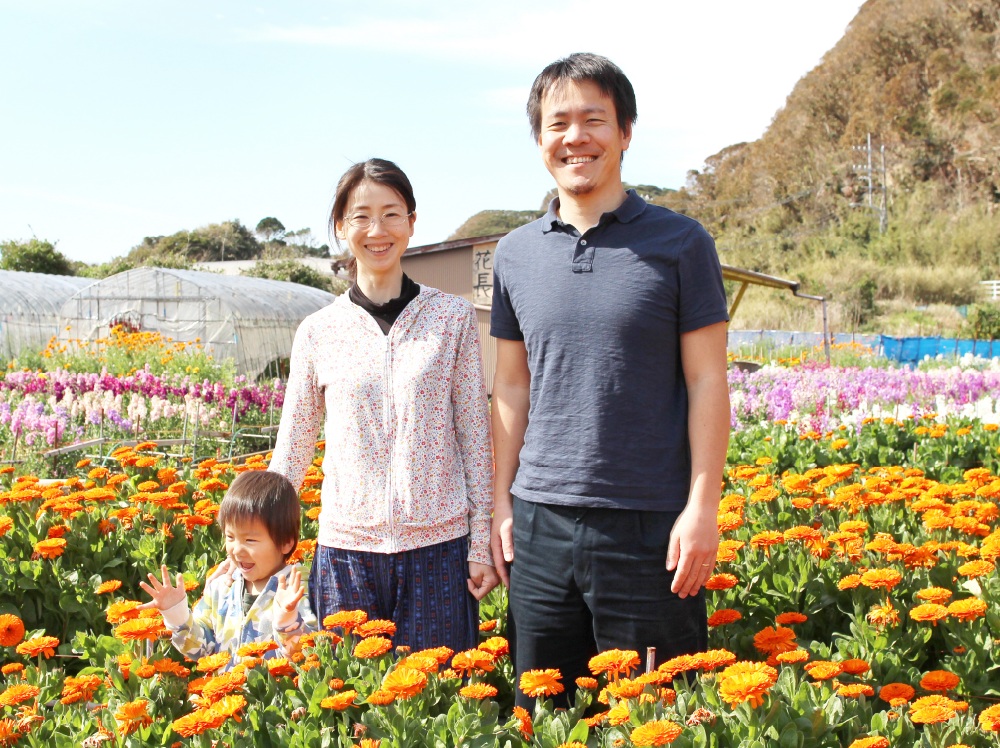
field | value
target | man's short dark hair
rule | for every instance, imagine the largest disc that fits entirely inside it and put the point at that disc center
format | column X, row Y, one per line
column 266, row 496
column 578, row 67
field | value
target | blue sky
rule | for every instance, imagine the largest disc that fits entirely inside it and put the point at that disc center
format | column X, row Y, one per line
column 129, row 119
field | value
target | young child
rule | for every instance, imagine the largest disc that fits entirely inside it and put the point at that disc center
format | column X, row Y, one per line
column 254, row 596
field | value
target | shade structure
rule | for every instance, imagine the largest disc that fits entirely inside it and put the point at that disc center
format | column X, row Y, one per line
column 250, row 320
column 29, row 308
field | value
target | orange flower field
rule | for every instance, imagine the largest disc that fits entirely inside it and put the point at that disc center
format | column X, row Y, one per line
column 854, row 605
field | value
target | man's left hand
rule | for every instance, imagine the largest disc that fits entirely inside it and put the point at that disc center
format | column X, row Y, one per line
column 694, row 544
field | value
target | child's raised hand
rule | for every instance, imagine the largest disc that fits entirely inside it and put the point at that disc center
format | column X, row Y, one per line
column 286, row 598
column 164, row 594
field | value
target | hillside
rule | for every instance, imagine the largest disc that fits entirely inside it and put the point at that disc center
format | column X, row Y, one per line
column 923, row 77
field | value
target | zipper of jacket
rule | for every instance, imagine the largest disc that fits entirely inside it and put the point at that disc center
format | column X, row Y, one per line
column 390, row 435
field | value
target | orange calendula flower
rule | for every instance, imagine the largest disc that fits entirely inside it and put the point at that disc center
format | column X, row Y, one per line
column 197, row 722
column 380, row 698
column 122, row 611
column 989, row 719
column 522, row 714
column 896, row 693
column 874, row 741
column 588, row 684
column 345, row 619
column 787, row 618
column 715, row 658
column 883, row 615
column 16, row 694
column 929, row 612
column 423, row 664
column 976, row 568
column 723, row 616
column 822, row 670
column 374, row 646
column 478, row 691
column 377, row 627
column 774, row 640
column 886, row 578
column 280, row 667
column 256, row 649
column 340, row 701
column 849, row 582
column 766, row 539
column 659, row 732
column 50, row 548
column 679, row 664
column 11, row 630
column 967, row 610
column 8, row 733
column 933, row 709
column 473, row 660
column 404, row 682
column 749, row 686
column 541, row 682
column 488, row 625
column 619, row 715
column 110, row 586
column 855, row 667
column 133, row 715
column 721, row 582
column 936, row 595
column 625, row 688
column 855, row 690
column 141, row 628
column 614, row 661
column 211, row 663
column 939, row 680
column 496, row 646
column 792, row 657
column 40, row 645
column 12, row 667
column 6, row 525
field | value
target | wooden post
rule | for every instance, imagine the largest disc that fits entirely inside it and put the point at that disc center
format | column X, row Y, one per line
column 650, row 659
column 737, row 300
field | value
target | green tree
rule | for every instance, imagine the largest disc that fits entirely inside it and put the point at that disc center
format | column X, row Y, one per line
column 34, row 256
column 229, row 240
column 270, row 229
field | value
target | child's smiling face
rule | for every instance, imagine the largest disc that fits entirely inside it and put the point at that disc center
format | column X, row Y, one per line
column 255, row 554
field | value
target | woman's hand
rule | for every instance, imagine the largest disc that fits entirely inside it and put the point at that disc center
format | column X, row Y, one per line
column 286, row 599
column 482, row 579
column 164, row 594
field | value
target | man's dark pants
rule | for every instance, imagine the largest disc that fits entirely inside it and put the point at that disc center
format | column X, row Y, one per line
column 585, row 580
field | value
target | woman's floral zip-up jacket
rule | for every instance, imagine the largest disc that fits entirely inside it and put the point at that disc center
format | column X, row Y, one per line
column 409, row 456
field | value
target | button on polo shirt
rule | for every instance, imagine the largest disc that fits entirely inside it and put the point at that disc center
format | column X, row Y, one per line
column 601, row 315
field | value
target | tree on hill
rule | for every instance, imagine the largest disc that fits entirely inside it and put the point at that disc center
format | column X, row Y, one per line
column 230, row 240
column 270, row 229
column 487, row 222
column 34, row 256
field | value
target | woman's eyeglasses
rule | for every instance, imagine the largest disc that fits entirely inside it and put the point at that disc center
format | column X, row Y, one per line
column 362, row 221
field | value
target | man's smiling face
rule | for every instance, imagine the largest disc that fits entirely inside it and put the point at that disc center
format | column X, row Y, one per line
column 580, row 141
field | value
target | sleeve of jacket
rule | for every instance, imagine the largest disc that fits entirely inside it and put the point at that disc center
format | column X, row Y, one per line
column 472, row 431
column 301, row 412
column 196, row 636
column 289, row 641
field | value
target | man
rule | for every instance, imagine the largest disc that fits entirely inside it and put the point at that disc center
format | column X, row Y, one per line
column 610, row 400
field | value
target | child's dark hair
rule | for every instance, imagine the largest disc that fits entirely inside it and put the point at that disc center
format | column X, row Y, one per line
column 266, row 496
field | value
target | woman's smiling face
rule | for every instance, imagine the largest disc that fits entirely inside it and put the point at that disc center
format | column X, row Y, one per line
column 379, row 247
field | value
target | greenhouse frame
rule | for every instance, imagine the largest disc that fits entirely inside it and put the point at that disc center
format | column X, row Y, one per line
column 29, row 308
column 250, row 320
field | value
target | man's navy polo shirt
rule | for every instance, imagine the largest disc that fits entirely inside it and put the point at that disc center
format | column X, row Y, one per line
column 601, row 316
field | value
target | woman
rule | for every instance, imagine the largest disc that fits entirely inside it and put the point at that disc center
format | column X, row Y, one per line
column 407, row 492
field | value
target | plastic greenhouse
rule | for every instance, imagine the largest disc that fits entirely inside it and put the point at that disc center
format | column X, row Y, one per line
column 29, row 308
column 251, row 320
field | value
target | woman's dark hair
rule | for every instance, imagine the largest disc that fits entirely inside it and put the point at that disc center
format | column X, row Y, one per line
column 266, row 496
column 376, row 170
column 578, row 67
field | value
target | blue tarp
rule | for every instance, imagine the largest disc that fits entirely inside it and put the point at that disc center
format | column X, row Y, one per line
column 913, row 350
column 904, row 350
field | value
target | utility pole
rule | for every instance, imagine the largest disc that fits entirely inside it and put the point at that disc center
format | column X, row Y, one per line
column 873, row 179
